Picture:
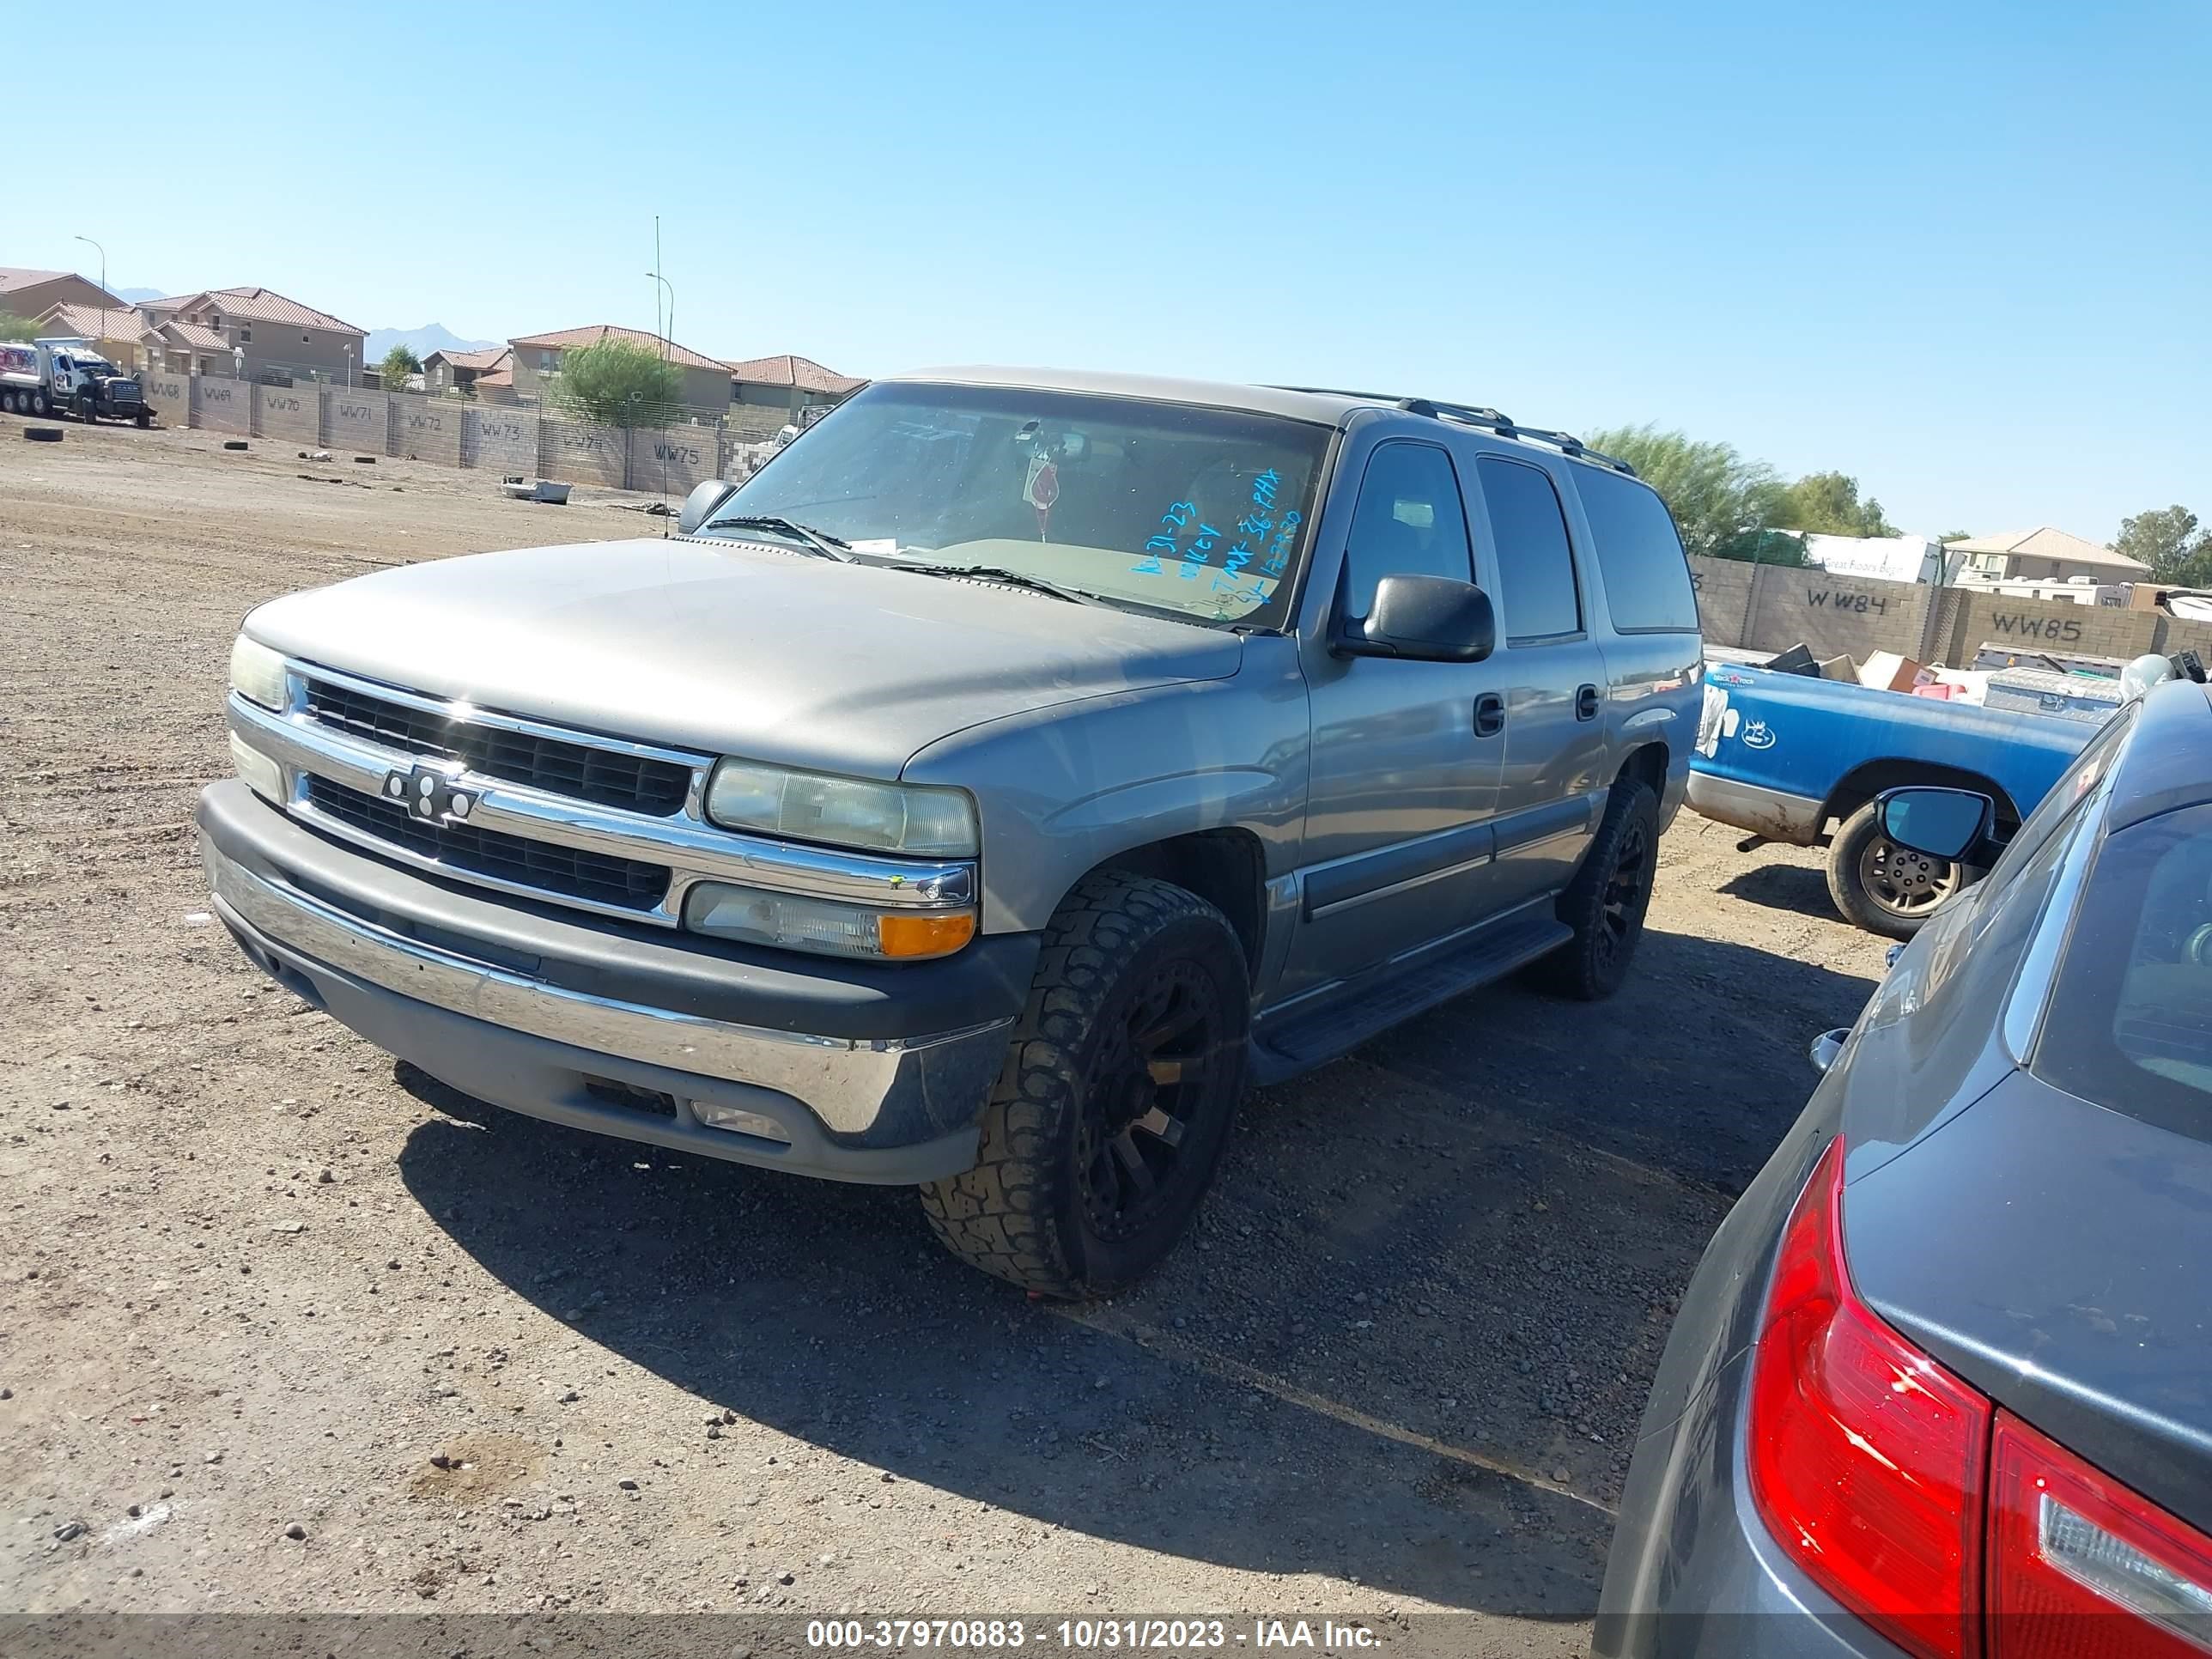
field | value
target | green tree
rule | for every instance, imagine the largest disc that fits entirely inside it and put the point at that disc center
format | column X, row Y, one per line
column 617, row 383
column 1721, row 502
column 398, row 363
column 1828, row 504
column 1950, row 536
column 18, row 329
column 2169, row 541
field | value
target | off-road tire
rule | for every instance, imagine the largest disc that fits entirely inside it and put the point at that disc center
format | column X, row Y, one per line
column 1847, row 884
column 1022, row 1214
column 1608, row 923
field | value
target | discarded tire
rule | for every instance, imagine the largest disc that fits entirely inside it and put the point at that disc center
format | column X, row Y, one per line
column 234, row 443
column 364, row 460
column 43, row 434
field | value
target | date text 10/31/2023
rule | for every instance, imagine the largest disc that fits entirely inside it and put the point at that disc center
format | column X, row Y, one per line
column 989, row 1636
column 1259, row 532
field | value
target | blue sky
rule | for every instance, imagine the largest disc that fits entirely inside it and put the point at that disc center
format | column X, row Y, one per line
column 1963, row 252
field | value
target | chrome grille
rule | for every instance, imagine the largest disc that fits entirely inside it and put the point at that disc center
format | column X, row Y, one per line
column 558, row 872
column 605, row 777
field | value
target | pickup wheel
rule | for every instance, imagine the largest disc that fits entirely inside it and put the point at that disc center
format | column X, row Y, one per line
column 1605, row 902
column 1119, row 1089
column 1882, row 887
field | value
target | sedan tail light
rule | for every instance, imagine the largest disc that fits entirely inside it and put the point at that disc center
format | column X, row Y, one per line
column 2081, row 1566
column 1907, row 1496
column 1867, row 1458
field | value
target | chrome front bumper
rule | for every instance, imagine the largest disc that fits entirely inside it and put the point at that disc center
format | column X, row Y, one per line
column 894, row 1110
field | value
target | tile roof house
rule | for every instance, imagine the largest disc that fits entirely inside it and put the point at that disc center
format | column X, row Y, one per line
column 119, row 330
column 461, row 371
column 275, row 337
column 2045, row 555
column 32, row 293
column 706, row 380
column 789, row 374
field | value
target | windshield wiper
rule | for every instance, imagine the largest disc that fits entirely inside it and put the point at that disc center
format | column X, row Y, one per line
column 998, row 572
column 821, row 543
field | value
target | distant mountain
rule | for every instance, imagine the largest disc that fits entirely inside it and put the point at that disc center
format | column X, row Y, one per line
column 431, row 336
column 138, row 296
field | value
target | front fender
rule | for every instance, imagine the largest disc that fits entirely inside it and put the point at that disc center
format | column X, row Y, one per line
column 1063, row 789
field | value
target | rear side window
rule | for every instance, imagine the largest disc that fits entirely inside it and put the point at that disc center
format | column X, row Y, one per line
column 1537, row 593
column 1647, row 580
column 2130, row 1024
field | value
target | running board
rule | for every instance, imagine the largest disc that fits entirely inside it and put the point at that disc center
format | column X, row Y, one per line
column 1300, row 1040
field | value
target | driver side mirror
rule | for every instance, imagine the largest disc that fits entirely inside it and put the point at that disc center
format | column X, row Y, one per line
column 1421, row 619
column 699, row 506
column 1943, row 824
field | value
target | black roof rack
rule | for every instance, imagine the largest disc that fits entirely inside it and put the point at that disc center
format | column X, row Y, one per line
column 1479, row 415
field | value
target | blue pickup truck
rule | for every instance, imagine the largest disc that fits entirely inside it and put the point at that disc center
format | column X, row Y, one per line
column 1785, row 755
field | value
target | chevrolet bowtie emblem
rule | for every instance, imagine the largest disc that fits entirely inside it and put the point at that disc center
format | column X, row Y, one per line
column 428, row 794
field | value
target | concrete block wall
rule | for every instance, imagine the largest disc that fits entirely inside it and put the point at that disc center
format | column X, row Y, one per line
column 2088, row 630
column 575, row 452
column 1723, row 588
column 426, row 429
column 170, row 397
column 294, row 413
column 2174, row 635
column 356, row 420
column 1837, row 615
column 672, row 460
column 501, row 441
column 222, row 405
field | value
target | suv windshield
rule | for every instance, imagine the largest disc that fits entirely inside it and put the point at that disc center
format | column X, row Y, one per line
column 2131, row 1019
column 1196, row 512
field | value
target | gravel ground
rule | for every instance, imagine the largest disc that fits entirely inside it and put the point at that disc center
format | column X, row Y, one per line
column 285, row 1328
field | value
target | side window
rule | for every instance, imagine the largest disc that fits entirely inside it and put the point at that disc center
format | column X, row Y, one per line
column 1537, row 595
column 1647, row 580
column 1408, row 522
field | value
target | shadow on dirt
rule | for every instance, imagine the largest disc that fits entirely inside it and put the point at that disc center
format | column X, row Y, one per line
column 1441, row 1257
column 1790, row 887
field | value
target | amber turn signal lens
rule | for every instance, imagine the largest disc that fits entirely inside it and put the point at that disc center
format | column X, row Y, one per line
column 925, row 936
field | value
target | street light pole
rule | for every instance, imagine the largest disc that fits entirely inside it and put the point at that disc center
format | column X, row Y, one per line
column 669, row 327
column 103, row 286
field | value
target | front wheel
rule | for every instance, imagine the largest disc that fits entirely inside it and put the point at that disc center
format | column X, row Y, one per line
column 1882, row 887
column 145, row 420
column 1117, row 1095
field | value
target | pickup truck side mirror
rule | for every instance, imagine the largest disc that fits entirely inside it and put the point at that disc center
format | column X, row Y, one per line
column 699, row 506
column 1944, row 823
column 1421, row 619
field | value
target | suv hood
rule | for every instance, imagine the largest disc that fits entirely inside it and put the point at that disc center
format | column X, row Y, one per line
column 733, row 649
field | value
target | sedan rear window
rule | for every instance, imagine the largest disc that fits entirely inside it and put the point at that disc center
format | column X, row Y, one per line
column 2130, row 1024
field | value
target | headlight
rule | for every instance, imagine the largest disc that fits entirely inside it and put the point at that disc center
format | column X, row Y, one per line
column 758, row 916
column 886, row 817
column 263, row 775
column 256, row 673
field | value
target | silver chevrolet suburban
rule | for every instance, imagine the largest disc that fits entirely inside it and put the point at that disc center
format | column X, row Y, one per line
column 986, row 792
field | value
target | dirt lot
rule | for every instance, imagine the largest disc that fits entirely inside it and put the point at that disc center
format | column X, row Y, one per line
column 255, row 1281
